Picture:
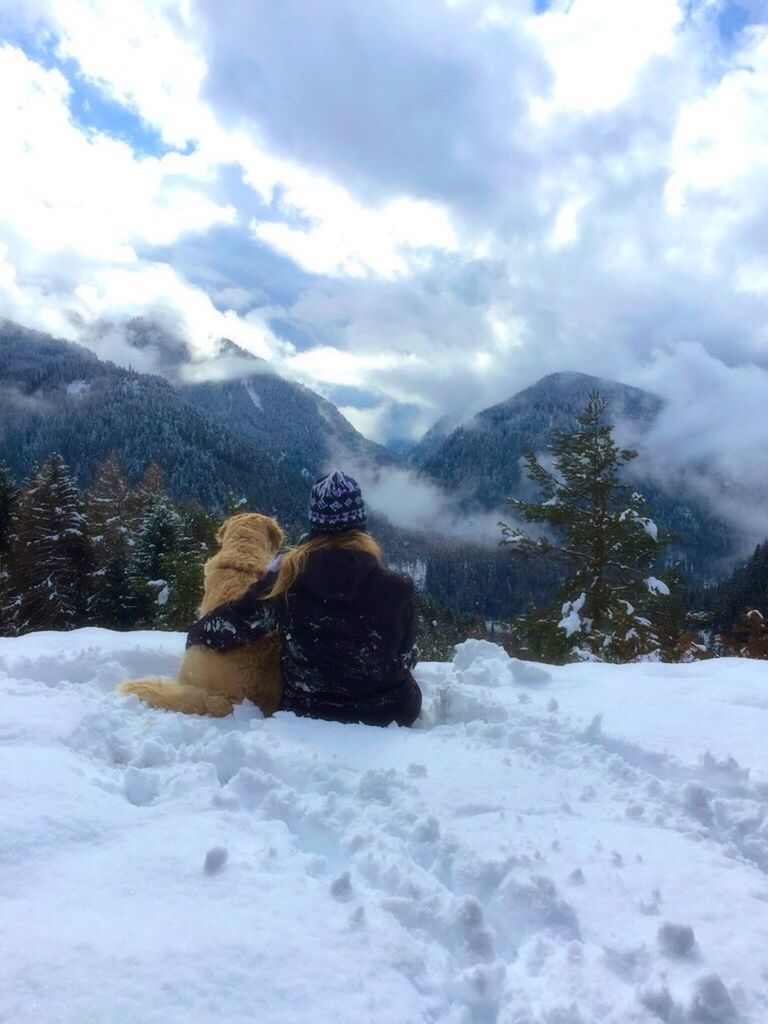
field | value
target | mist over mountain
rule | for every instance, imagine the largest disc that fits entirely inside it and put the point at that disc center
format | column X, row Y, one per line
column 57, row 396
column 481, row 462
column 289, row 421
column 264, row 437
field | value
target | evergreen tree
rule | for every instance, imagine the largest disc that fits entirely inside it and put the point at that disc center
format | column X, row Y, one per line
column 440, row 630
column 8, row 501
column 166, row 565
column 605, row 541
column 8, row 498
column 150, row 486
column 749, row 636
column 159, row 539
column 107, row 507
column 49, row 557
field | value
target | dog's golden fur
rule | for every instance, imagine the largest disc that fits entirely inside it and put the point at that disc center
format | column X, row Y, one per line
column 212, row 682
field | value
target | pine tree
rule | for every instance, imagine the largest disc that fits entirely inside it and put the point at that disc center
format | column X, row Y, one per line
column 138, row 499
column 8, row 498
column 166, row 565
column 107, row 507
column 8, row 502
column 159, row 538
column 49, row 557
column 605, row 542
column 749, row 636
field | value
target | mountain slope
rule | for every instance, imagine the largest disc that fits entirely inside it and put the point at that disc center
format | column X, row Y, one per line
column 481, row 462
column 289, row 421
column 57, row 396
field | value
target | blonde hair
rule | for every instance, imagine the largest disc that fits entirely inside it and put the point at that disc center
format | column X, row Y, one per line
column 295, row 560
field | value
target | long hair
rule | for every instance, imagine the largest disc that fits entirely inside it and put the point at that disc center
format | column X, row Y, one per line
column 294, row 561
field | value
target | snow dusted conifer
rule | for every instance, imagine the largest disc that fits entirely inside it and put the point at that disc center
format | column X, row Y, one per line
column 49, row 557
column 159, row 538
column 605, row 540
column 8, row 497
column 166, row 566
column 749, row 636
column 8, row 500
column 107, row 506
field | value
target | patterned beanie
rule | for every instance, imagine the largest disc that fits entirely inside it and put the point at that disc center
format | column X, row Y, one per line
column 336, row 504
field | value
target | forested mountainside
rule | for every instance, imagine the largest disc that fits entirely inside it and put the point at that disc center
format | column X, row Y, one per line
column 481, row 462
column 287, row 420
column 745, row 589
column 262, row 437
column 58, row 397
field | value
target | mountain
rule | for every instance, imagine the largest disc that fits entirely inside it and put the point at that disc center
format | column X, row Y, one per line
column 57, row 396
column 433, row 440
column 481, row 462
column 287, row 420
column 262, row 437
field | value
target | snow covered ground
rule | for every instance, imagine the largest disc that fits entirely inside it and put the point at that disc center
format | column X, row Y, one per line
column 565, row 846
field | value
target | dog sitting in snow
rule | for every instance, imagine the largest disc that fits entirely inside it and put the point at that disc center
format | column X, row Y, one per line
column 210, row 682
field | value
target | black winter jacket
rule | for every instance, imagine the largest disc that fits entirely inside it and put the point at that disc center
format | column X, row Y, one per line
column 348, row 633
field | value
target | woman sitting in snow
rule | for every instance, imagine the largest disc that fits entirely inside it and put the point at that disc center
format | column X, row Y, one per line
column 347, row 625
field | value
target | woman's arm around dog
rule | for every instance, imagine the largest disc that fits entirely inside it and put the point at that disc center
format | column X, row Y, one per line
column 237, row 622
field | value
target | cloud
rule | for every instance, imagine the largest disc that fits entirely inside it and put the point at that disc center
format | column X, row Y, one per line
column 709, row 438
column 433, row 203
column 414, row 503
column 390, row 99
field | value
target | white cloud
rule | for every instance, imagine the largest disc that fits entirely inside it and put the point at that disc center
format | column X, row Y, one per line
column 596, row 49
column 354, row 241
column 448, row 247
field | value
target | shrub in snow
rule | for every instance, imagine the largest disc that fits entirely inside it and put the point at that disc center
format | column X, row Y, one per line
column 608, row 606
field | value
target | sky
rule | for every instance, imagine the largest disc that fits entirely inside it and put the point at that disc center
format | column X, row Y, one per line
column 415, row 208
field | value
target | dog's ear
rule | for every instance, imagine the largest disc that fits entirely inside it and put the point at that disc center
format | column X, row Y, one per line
column 222, row 531
column 274, row 533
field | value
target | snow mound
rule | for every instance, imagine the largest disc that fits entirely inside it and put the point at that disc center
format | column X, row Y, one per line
column 548, row 846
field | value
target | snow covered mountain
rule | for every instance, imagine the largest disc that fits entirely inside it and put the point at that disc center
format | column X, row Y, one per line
column 481, row 461
column 547, row 846
column 291, row 422
column 58, row 397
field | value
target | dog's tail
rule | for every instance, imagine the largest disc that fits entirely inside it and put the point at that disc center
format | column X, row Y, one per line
column 164, row 693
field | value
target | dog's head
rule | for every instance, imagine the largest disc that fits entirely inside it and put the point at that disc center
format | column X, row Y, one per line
column 250, row 529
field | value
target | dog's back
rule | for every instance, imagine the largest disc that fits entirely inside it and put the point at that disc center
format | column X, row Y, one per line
column 209, row 682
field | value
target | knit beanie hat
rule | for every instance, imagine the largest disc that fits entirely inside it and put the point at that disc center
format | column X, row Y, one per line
column 336, row 504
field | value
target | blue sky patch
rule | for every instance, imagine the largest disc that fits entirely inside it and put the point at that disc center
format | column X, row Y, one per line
column 91, row 107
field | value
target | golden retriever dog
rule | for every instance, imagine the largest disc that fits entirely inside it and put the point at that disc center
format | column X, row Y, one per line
column 212, row 682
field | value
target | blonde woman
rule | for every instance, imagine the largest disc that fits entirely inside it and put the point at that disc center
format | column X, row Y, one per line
column 347, row 625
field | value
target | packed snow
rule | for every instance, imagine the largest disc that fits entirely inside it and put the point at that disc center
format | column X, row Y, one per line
column 577, row 845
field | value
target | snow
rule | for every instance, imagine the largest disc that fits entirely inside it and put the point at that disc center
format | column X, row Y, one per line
column 571, row 620
column 78, row 387
column 253, row 395
column 657, row 586
column 576, row 845
column 648, row 525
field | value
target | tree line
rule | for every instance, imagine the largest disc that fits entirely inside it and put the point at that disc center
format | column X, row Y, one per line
column 128, row 556
column 115, row 555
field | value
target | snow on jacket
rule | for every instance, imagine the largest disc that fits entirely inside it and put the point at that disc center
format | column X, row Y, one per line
column 348, row 633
